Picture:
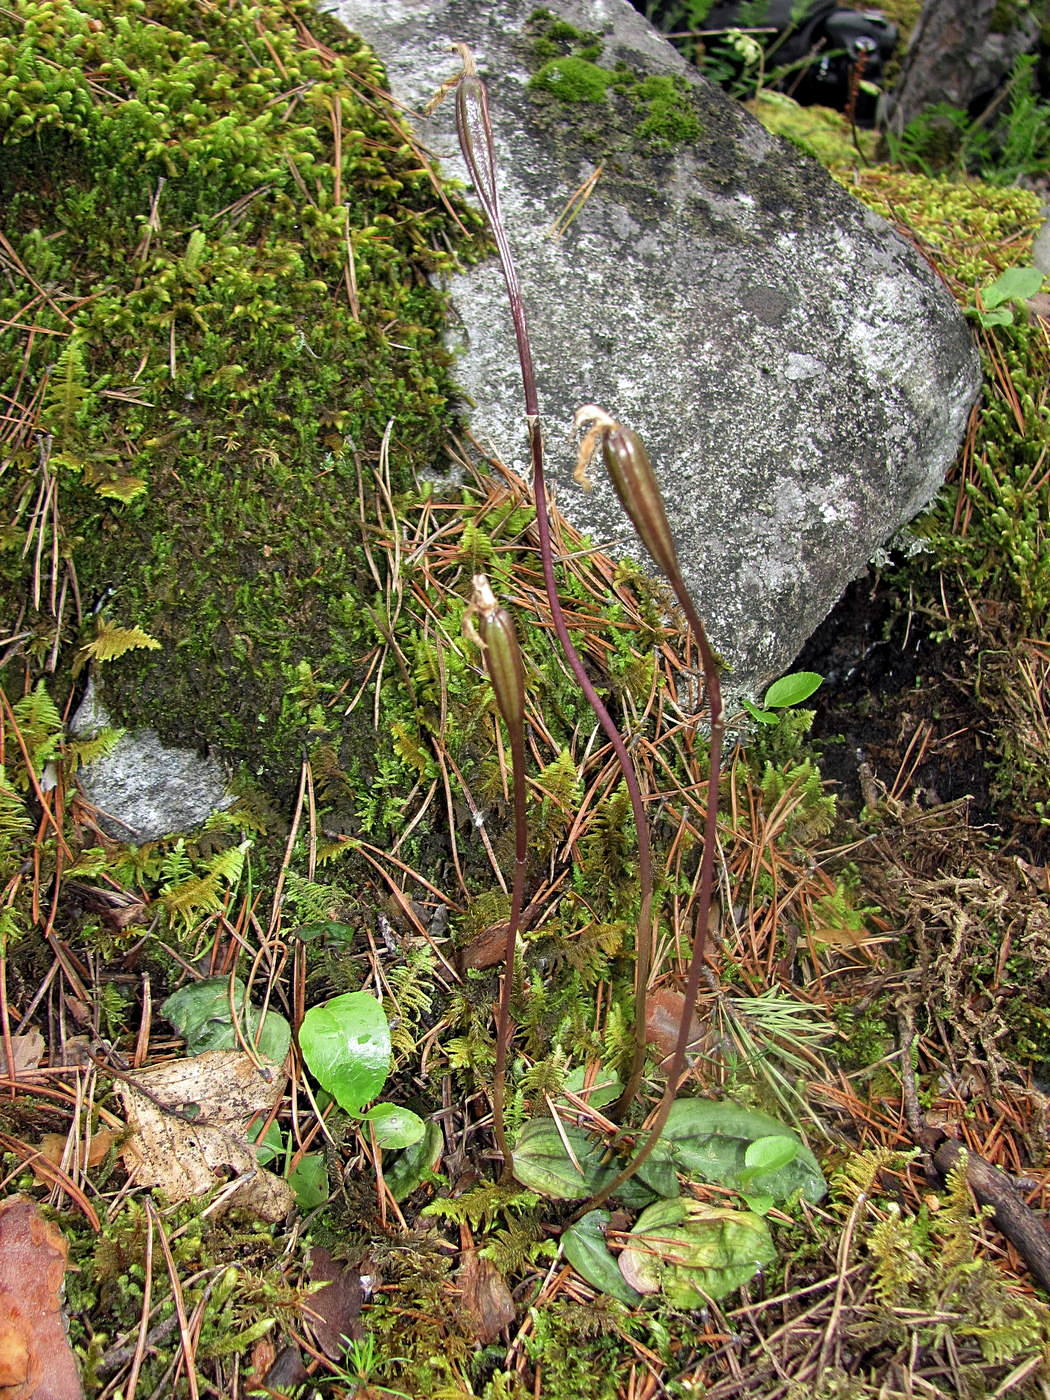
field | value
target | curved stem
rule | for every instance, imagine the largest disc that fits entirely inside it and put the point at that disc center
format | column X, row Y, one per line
column 475, row 137
column 517, row 750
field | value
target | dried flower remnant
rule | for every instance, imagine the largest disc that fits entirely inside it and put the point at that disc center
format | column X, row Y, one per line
column 491, row 627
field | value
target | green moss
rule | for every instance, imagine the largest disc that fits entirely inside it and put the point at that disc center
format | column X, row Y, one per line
column 648, row 113
column 573, row 79
column 819, row 132
column 975, row 229
column 233, row 318
column 670, row 119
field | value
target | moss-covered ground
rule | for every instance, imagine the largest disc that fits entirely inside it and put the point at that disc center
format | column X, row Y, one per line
column 222, row 373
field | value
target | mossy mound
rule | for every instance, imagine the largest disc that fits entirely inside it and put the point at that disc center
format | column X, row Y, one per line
column 220, row 240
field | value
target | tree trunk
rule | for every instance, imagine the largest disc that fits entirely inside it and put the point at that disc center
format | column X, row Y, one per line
column 953, row 57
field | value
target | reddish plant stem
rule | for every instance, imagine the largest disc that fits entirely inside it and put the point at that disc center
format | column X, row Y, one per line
column 517, row 899
column 475, row 138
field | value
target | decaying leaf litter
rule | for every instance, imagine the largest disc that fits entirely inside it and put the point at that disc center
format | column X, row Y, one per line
column 895, row 1276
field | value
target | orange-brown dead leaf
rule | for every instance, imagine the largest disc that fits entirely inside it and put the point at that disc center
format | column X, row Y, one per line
column 663, row 1015
column 36, row 1360
column 485, row 1296
column 53, row 1147
column 486, row 948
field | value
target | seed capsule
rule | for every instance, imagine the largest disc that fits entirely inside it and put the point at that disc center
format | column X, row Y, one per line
column 499, row 642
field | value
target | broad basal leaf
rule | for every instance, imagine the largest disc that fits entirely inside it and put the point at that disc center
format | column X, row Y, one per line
column 691, row 1252
column 710, row 1140
column 346, row 1046
column 201, row 1013
column 558, row 1161
column 583, row 1244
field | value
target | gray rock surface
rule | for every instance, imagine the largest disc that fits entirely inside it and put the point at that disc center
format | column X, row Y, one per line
column 800, row 376
column 145, row 789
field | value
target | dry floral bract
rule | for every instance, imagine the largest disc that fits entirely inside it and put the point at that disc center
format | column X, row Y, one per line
column 36, row 1361
column 188, row 1131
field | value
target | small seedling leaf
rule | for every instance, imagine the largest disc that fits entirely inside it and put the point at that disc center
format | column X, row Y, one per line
column 542, row 1163
column 1015, row 284
column 763, row 716
column 585, row 1248
column 338, row 933
column 309, row 1180
column 412, row 1166
column 769, row 1154
column 1002, row 316
column 599, row 1089
column 792, row 690
column 393, row 1126
column 691, row 1252
column 346, row 1046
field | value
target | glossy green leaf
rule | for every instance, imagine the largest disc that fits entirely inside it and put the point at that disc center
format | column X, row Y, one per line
column 710, row 1139
column 604, row 1086
column 792, row 690
column 542, row 1163
column 346, row 1046
column 1015, row 284
column 200, row 1013
column 583, row 1244
column 763, row 716
column 268, row 1147
column 410, row 1168
column 691, row 1252
column 309, row 1180
column 393, row 1126
column 769, row 1154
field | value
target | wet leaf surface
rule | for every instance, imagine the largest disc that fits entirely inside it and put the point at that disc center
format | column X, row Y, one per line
column 335, row 1307
column 691, row 1252
column 36, row 1361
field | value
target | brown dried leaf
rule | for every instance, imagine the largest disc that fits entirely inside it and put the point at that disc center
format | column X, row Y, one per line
column 334, row 1308
column 190, row 1133
column 53, row 1146
column 27, row 1050
column 485, row 949
column 485, row 1296
column 663, row 1015
column 36, row 1361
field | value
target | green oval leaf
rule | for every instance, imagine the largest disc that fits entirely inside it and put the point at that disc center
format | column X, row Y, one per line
column 200, row 1013
column 792, row 690
column 585, row 1248
column 1015, row 284
column 411, row 1167
column 691, row 1252
column 393, row 1126
column 710, row 1139
column 309, row 1181
column 763, row 716
column 542, row 1163
column 769, row 1154
column 346, row 1046
column 339, row 933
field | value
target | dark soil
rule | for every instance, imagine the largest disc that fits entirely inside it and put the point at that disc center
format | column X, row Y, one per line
column 898, row 710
